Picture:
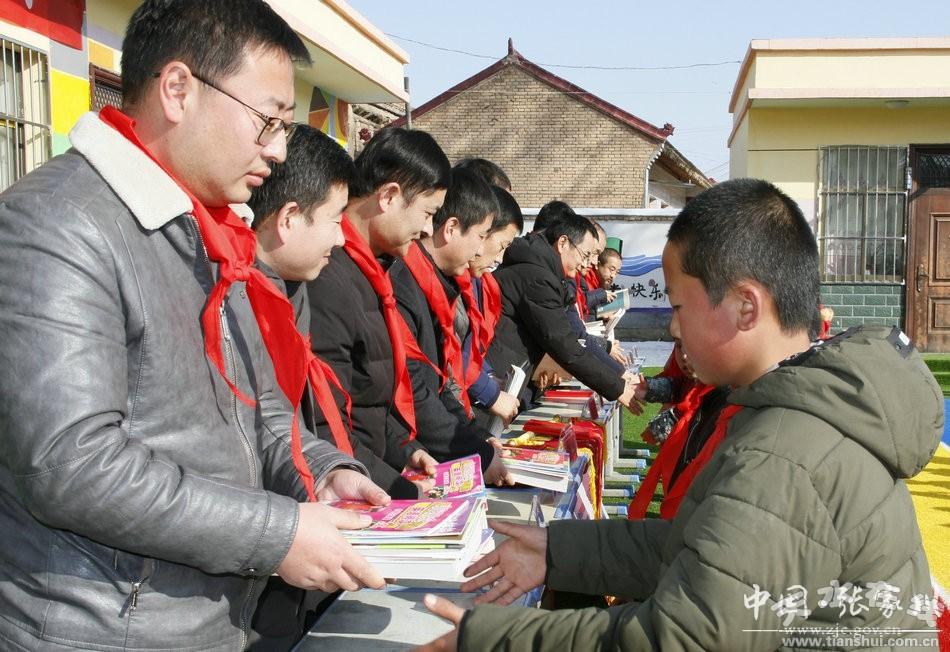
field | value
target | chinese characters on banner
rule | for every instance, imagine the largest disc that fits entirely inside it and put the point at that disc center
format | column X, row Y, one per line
column 647, row 290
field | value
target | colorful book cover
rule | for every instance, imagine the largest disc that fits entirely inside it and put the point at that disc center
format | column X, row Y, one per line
column 411, row 517
column 542, row 457
column 459, row 478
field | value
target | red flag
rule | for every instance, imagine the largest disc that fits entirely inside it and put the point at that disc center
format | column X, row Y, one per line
column 60, row 20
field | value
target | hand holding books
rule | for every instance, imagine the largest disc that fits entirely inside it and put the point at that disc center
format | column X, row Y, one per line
column 319, row 556
column 420, row 471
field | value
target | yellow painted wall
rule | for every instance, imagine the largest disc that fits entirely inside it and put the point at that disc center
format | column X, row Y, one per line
column 69, row 97
column 853, row 69
column 781, row 144
column 738, row 158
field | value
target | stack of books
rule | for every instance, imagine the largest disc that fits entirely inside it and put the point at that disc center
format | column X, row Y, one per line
column 431, row 539
column 546, row 469
column 421, row 539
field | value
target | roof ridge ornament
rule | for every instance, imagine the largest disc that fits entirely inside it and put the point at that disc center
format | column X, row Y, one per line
column 513, row 54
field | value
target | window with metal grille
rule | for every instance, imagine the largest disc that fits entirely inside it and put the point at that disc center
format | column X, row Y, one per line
column 25, row 140
column 933, row 169
column 862, row 208
column 106, row 88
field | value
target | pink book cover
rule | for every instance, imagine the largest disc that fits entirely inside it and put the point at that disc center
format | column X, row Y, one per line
column 545, row 457
column 459, row 478
column 415, row 517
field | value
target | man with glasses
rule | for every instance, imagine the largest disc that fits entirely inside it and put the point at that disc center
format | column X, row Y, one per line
column 153, row 472
column 535, row 279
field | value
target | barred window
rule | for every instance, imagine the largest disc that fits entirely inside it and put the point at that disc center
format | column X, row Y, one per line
column 106, row 88
column 862, row 208
column 25, row 139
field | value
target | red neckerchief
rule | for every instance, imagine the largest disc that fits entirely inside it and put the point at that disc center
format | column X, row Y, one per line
column 579, row 297
column 476, row 323
column 426, row 276
column 491, row 307
column 400, row 337
column 231, row 244
column 665, row 462
column 593, row 281
column 321, row 375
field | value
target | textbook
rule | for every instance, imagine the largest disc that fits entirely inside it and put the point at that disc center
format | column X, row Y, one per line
column 461, row 478
column 546, row 469
column 620, row 303
column 421, row 539
column 514, row 387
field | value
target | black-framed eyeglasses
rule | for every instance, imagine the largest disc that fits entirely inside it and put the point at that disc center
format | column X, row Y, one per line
column 585, row 255
column 272, row 124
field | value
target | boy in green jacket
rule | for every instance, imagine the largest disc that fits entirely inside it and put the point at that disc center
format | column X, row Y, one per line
column 800, row 531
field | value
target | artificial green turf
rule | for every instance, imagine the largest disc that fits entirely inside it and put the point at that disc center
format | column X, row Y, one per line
column 632, row 427
column 939, row 364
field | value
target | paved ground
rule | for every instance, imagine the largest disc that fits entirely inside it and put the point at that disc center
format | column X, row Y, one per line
column 655, row 353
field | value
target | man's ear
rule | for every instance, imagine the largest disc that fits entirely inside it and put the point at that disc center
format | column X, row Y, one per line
column 562, row 244
column 176, row 86
column 751, row 300
column 451, row 228
column 387, row 194
column 284, row 221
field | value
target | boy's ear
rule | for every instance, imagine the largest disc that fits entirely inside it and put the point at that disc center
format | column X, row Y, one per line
column 284, row 221
column 387, row 194
column 751, row 299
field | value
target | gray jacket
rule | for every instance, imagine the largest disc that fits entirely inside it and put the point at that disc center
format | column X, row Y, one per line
column 141, row 503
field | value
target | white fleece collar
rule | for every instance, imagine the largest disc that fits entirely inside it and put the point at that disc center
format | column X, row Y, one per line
column 151, row 195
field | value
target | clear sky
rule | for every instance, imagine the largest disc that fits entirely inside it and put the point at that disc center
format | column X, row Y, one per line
column 635, row 33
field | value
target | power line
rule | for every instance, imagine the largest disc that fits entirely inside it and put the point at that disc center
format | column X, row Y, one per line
column 564, row 65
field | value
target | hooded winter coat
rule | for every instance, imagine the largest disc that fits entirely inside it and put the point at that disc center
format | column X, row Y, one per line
column 806, row 493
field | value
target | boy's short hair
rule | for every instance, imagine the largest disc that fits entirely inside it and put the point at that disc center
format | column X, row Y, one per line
column 315, row 163
column 210, row 36
column 410, row 158
column 747, row 229
column 551, row 211
column 509, row 212
column 572, row 225
column 491, row 173
column 607, row 254
column 469, row 199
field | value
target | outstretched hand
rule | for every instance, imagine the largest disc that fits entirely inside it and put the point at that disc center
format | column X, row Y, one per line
column 451, row 612
column 513, row 568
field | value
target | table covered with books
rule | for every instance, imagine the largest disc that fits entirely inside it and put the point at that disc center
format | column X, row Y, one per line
column 395, row 618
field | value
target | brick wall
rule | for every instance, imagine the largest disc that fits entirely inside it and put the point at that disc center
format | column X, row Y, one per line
column 551, row 145
column 864, row 304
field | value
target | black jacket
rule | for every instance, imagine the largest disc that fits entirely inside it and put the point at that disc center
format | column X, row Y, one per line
column 533, row 318
column 348, row 331
column 444, row 427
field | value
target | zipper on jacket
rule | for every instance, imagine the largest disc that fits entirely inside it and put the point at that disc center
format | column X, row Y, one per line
column 229, row 369
column 244, row 606
column 147, row 567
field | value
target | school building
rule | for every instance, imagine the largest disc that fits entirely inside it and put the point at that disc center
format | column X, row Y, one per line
column 857, row 131
column 61, row 58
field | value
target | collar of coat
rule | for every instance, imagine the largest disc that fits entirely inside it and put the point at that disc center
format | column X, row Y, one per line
column 151, row 195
